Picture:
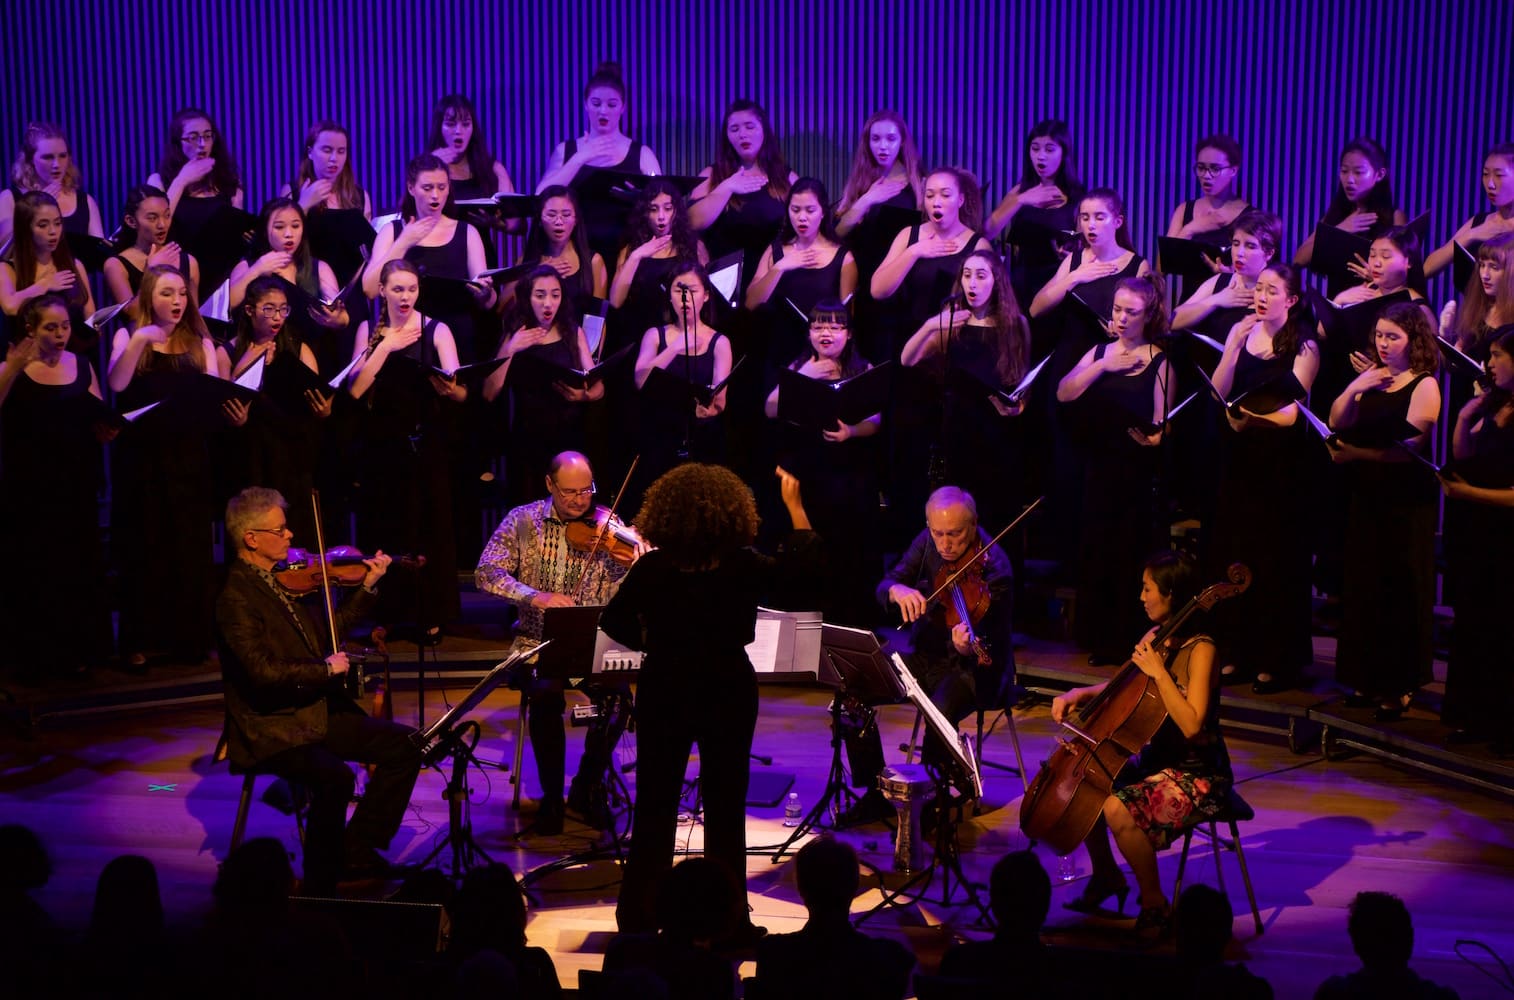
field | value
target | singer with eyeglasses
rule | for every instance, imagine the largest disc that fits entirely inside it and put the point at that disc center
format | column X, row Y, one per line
column 530, row 564
column 286, row 710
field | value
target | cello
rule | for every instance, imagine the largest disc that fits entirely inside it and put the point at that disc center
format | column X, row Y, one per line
column 1067, row 797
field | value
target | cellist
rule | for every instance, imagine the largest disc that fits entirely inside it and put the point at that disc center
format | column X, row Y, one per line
column 1182, row 775
column 945, row 659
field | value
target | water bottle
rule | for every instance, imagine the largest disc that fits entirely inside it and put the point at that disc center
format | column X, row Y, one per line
column 793, row 812
column 1067, row 869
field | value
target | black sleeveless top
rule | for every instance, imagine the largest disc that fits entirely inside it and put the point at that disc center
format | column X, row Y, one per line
column 401, row 404
column 870, row 238
column 1220, row 321
column 1214, row 237
column 538, row 409
column 1116, row 402
column 329, row 234
column 1099, row 293
column 930, row 279
column 1491, row 464
column 76, row 221
column 604, row 222
column 748, row 227
column 46, row 436
column 1252, row 372
column 697, row 369
column 630, row 164
column 1035, row 234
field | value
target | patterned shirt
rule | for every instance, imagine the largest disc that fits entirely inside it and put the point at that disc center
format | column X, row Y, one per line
column 529, row 553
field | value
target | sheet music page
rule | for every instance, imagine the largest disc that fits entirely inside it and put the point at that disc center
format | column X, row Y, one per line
column 763, row 649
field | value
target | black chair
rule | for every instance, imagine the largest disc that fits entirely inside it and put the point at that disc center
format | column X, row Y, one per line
column 244, row 802
column 1235, row 811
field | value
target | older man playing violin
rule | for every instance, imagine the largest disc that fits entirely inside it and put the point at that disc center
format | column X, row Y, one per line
column 530, row 563
column 958, row 661
column 286, row 712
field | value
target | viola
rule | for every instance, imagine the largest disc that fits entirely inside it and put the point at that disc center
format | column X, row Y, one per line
column 601, row 531
column 965, row 580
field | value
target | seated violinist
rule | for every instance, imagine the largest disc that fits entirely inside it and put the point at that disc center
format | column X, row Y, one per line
column 530, row 563
column 1183, row 775
column 960, row 664
column 286, row 710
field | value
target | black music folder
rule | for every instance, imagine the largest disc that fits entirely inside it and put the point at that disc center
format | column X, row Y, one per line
column 818, row 406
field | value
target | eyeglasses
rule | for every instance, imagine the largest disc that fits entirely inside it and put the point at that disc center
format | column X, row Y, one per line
column 271, row 311
column 195, row 138
column 588, row 491
column 282, row 529
column 1210, row 169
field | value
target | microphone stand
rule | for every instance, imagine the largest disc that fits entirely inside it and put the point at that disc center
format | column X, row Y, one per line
column 688, row 368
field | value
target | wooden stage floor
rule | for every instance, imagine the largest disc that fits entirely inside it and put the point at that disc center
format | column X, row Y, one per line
column 1325, row 829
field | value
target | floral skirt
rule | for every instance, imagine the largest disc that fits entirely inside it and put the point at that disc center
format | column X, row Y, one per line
column 1170, row 802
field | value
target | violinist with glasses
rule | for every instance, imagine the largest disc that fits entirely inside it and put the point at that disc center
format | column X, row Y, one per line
column 286, row 710
column 534, row 561
column 959, row 658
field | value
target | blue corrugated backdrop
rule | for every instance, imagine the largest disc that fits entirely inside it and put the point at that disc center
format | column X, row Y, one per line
column 1138, row 81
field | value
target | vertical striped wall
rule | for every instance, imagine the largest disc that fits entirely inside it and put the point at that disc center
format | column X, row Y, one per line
column 1291, row 79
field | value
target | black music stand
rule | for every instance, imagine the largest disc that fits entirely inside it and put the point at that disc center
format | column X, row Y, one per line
column 947, row 854
column 852, row 662
column 446, row 737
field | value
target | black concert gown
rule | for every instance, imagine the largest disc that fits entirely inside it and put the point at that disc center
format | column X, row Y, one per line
column 405, row 494
column 162, row 510
column 1260, row 521
column 1384, row 648
column 1118, row 529
column 49, row 506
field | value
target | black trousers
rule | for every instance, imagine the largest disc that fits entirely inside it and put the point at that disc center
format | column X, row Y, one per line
column 322, row 767
column 549, row 743
column 719, row 714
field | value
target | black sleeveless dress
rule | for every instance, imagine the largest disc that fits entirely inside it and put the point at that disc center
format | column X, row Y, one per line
column 1118, row 516
column 749, row 223
column 1479, row 684
column 76, row 221
column 981, row 448
column 405, row 494
column 59, row 621
column 162, row 510
column 646, row 303
column 868, row 242
column 1260, row 520
column 1035, row 238
column 1078, row 330
column 664, row 428
column 605, row 222
column 1213, row 237
column 1384, row 648
column 450, row 260
column 328, row 231
column 216, row 259
column 279, row 446
column 788, row 333
column 542, row 424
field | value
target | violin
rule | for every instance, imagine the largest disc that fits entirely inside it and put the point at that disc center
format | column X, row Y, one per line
column 965, row 579
column 302, row 570
column 601, row 531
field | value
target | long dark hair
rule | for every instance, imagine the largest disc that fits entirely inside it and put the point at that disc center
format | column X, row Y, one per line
column 126, row 235
column 1066, row 178
column 1011, row 331
column 565, row 322
column 1379, row 199
column 1177, row 578
column 1154, row 296
column 224, row 178
column 422, row 164
column 305, row 272
column 1111, row 198
column 639, row 230
column 536, row 240
column 827, row 221
column 348, row 193
column 24, row 246
column 287, row 341
column 851, row 360
column 769, row 155
column 480, row 159
column 1295, row 332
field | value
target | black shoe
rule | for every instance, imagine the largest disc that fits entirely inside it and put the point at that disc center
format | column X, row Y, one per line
column 1463, row 737
column 363, row 862
column 1358, row 700
column 549, row 819
column 1390, row 711
column 871, row 808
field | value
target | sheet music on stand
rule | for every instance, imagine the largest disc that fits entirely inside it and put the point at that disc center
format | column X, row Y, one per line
column 786, row 645
column 428, row 737
column 958, row 744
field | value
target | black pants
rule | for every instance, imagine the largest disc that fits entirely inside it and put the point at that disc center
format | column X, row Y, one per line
column 549, row 744
column 719, row 714
column 322, row 767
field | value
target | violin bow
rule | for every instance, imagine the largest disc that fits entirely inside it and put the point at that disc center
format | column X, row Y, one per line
column 599, row 536
column 320, row 544
column 983, row 551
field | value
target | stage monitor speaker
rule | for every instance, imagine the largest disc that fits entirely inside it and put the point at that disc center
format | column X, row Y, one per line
column 380, row 932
